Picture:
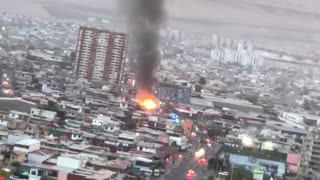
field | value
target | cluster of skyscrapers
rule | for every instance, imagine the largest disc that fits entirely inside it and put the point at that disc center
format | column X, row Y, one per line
column 101, row 54
column 230, row 51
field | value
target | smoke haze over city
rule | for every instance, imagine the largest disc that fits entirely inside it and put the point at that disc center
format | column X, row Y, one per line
column 160, row 89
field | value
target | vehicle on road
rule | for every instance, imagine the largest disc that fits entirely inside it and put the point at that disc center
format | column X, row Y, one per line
column 190, row 173
column 148, row 166
column 156, row 172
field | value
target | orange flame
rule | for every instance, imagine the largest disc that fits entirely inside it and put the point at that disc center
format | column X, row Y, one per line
column 147, row 100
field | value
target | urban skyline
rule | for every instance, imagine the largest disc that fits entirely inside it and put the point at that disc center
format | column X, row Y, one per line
column 159, row 90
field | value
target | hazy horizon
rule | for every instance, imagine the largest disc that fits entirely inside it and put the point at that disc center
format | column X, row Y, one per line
column 268, row 22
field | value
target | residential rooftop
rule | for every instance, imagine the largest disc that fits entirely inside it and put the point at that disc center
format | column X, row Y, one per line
column 255, row 153
column 28, row 142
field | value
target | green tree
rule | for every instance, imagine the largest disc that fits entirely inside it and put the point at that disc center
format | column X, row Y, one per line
column 5, row 173
column 174, row 144
column 213, row 164
column 214, row 131
column 131, row 125
column 306, row 105
column 252, row 98
column 266, row 177
column 305, row 91
column 89, row 164
column 15, row 164
column 72, row 56
column 203, row 81
column 239, row 173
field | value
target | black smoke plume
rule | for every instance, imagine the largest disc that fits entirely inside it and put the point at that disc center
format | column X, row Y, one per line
column 145, row 17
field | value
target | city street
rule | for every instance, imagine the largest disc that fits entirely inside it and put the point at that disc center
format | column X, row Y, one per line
column 179, row 169
column 159, row 90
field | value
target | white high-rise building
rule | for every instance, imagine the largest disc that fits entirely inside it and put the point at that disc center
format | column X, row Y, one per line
column 226, row 50
column 310, row 161
column 174, row 35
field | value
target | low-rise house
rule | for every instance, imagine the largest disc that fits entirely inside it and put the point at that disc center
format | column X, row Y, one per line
column 70, row 106
column 293, row 163
column 43, row 114
column 273, row 162
column 126, row 141
column 19, row 115
column 16, row 137
column 9, row 123
column 187, row 128
column 3, row 122
column 112, row 127
column 177, row 139
column 118, row 165
column 71, row 161
column 148, row 147
column 111, row 143
column 24, row 76
column 170, row 126
column 16, row 104
column 17, row 156
column 40, row 155
column 72, row 135
column 100, row 120
column 32, row 130
column 67, row 167
column 4, row 134
column 27, row 145
column 76, row 136
column 106, row 123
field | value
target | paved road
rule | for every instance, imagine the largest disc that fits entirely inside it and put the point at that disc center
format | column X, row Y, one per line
column 179, row 169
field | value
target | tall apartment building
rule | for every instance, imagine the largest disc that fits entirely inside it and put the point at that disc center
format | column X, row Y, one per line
column 100, row 55
column 310, row 162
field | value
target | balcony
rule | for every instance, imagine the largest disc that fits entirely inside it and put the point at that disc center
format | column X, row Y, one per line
column 315, row 162
column 316, row 143
column 315, row 155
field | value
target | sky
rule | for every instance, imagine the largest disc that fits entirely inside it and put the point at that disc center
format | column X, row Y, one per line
column 176, row 7
column 284, row 23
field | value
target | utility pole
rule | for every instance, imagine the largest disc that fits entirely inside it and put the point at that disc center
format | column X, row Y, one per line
column 232, row 173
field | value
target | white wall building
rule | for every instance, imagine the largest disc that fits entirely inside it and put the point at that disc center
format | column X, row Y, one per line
column 71, row 161
column 106, row 123
column 174, row 35
column 70, row 106
column 111, row 127
column 13, row 138
column 4, row 122
column 148, row 147
column 127, row 138
column 292, row 119
column 225, row 50
column 170, row 126
column 76, row 137
column 40, row 113
column 100, row 120
column 27, row 145
column 39, row 156
column 180, row 140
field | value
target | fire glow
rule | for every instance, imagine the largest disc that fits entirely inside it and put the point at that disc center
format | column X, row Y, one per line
column 147, row 101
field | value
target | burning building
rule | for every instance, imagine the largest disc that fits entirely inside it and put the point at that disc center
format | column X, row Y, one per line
column 145, row 19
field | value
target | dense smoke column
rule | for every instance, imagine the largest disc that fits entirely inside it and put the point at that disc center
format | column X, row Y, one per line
column 145, row 21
